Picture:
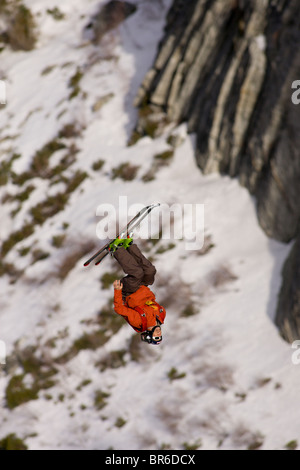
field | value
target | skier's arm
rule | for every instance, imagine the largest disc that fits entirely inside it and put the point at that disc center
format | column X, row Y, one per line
column 121, row 309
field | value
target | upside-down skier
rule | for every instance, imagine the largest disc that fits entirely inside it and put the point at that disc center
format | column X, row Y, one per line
column 133, row 299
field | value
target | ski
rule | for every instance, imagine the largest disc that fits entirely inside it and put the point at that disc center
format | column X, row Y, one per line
column 132, row 224
column 107, row 244
column 102, row 258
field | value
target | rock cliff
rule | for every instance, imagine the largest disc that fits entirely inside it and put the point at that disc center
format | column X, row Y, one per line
column 226, row 67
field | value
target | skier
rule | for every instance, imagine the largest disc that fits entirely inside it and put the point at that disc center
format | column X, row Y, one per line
column 133, row 299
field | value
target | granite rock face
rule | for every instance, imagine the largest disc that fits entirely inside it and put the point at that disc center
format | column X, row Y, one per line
column 226, row 67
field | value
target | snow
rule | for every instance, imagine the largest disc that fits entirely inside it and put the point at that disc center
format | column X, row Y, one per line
column 239, row 384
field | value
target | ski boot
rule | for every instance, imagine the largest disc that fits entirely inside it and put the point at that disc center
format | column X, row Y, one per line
column 120, row 242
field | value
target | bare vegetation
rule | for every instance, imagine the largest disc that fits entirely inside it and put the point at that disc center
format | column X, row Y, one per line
column 97, row 166
column 40, row 162
column 292, row 445
column 125, row 171
column 135, row 348
column 207, row 245
column 21, row 31
column 16, row 237
column 106, row 325
column 173, row 374
column 171, row 412
column 151, row 123
column 74, row 83
column 164, row 156
column 12, row 442
column 100, row 102
column 48, row 208
column 6, row 169
column 56, row 13
column 108, row 278
column 243, row 437
column 32, row 365
column 192, row 445
column 262, row 382
column 175, row 292
column 74, row 252
column 214, row 375
column 220, row 276
column 40, row 165
column 10, row 270
column 70, row 131
column 112, row 360
column 189, row 310
column 58, row 240
column 39, row 255
column 100, row 399
column 159, row 160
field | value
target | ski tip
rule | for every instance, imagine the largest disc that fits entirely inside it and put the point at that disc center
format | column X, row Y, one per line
column 86, row 264
column 153, row 206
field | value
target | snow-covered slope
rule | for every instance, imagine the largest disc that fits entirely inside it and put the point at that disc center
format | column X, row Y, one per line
column 222, row 378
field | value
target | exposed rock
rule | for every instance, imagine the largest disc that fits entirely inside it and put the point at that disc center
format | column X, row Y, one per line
column 288, row 310
column 152, row 121
column 109, row 17
column 102, row 101
column 227, row 68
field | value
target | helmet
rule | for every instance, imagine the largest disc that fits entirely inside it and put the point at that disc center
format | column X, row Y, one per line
column 147, row 336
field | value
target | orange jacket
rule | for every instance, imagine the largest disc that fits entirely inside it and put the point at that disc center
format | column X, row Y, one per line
column 138, row 299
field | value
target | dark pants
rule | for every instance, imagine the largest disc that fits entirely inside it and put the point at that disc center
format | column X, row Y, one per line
column 139, row 270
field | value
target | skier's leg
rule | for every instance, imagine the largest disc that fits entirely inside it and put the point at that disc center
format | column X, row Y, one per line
column 131, row 267
column 148, row 268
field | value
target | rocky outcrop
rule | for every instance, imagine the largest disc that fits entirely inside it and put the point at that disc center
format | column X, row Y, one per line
column 288, row 310
column 226, row 67
column 111, row 15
